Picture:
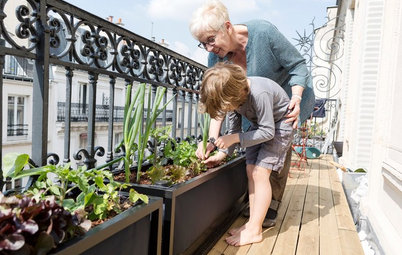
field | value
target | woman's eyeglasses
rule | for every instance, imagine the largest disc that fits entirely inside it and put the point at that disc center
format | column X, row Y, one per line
column 210, row 41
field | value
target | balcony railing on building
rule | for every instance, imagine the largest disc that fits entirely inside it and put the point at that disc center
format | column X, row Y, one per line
column 17, row 130
column 40, row 34
column 79, row 113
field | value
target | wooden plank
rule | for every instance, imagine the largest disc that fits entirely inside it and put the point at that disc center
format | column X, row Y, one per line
column 309, row 237
column 270, row 235
column 329, row 235
column 323, row 218
column 289, row 232
column 350, row 242
column 221, row 245
column 343, row 214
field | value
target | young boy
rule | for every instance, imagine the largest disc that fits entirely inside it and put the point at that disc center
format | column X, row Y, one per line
column 226, row 90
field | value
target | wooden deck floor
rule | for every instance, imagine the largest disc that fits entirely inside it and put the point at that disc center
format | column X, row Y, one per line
column 314, row 218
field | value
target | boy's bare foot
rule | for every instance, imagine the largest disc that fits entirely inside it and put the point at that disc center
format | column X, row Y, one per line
column 234, row 231
column 244, row 237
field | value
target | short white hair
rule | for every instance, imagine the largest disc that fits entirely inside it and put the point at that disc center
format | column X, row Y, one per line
column 209, row 17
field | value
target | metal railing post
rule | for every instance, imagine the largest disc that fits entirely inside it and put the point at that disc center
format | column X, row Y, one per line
column 67, row 120
column 40, row 98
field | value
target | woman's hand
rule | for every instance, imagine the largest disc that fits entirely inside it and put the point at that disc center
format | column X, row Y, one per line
column 294, row 107
column 215, row 160
column 200, row 150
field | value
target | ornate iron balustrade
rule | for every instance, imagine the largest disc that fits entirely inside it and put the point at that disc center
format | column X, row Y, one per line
column 79, row 113
column 53, row 32
column 17, row 130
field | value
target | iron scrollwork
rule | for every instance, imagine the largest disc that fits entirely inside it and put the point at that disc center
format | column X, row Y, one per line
column 89, row 41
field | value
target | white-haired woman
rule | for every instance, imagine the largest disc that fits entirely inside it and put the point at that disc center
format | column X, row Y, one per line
column 261, row 50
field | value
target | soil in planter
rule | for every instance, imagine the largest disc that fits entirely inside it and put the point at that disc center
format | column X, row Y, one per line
column 190, row 172
column 144, row 178
column 125, row 205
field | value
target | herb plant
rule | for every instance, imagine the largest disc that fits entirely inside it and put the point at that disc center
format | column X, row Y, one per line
column 133, row 117
column 205, row 130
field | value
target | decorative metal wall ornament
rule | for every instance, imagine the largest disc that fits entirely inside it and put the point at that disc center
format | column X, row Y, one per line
column 322, row 48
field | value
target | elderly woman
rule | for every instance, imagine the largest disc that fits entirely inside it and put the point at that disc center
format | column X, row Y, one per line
column 261, row 50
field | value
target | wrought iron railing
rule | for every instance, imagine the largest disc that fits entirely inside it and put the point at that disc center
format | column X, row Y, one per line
column 17, row 130
column 55, row 33
column 79, row 113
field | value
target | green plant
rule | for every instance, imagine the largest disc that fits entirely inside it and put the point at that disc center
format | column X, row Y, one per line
column 29, row 225
column 160, row 137
column 131, row 124
column 183, row 155
column 360, row 170
column 156, row 173
column 133, row 117
column 150, row 120
column 315, row 131
column 205, row 130
column 100, row 199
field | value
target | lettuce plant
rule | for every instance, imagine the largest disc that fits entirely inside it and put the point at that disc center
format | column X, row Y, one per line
column 29, row 225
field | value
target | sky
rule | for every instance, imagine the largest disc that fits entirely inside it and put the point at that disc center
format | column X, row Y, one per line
column 169, row 19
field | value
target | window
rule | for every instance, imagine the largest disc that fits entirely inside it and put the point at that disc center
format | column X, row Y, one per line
column 83, row 98
column 16, row 117
column 118, row 137
column 83, row 141
column 16, row 66
column 11, row 65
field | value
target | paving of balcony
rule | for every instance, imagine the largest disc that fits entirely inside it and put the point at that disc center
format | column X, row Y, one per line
column 314, row 218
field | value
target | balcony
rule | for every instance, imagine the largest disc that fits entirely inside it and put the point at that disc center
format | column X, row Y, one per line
column 314, row 213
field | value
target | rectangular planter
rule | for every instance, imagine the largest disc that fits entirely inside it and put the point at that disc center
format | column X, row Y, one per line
column 199, row 211
column 137, row 230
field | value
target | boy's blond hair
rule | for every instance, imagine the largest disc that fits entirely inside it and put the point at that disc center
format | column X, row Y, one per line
column 224, row 88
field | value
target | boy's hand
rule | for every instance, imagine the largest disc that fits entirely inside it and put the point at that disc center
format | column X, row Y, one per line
column 226, row 141
column 200, row 150
column 215, row 160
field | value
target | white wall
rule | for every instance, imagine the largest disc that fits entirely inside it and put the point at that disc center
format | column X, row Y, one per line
column 372, row 118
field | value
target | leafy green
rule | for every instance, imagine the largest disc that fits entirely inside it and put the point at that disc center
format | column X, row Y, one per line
column 28, row 224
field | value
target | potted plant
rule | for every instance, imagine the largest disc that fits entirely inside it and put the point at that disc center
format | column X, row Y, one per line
column 198, row 210
column 81, row 193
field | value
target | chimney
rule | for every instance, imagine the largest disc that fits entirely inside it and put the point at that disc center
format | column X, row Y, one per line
column 110, row 18
column 164, row 43
column 119, row 22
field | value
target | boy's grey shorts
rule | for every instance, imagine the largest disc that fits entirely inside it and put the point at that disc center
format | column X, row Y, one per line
column 271, row 154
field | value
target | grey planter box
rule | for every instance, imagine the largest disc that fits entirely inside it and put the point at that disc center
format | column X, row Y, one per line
column 137, row 230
